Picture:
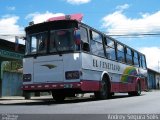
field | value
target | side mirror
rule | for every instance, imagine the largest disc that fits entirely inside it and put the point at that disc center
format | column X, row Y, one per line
column 85, row 47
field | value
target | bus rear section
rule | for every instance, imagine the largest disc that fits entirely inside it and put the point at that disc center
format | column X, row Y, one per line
column 55, row 73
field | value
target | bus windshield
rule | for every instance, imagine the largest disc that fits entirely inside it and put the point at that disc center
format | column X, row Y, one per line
column 62, row 40
column 59, row 41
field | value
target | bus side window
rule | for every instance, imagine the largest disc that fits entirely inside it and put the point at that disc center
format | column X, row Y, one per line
column 144, row 62
column 129, row 56
column 120, row 53
column 110, row 48
column 140, row 61
column 84, row 39
column 135, row 59
column 96, row 44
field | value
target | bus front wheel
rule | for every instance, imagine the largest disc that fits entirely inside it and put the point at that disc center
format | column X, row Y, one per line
column 104, row 91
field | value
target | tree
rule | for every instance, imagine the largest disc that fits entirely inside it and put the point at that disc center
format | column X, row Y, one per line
column 12, row 66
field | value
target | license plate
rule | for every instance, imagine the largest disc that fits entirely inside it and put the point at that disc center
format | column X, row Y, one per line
column 68, row 86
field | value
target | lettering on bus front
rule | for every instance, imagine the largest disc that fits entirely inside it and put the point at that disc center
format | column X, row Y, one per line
column 105, row 65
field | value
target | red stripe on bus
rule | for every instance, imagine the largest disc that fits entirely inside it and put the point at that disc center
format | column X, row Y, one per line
column 122, row 87
column 84, row 85
column 88, row 85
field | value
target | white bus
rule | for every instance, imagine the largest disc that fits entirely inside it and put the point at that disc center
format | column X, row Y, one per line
column 66, row 57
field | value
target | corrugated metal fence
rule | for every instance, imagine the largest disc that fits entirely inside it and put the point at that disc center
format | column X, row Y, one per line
column 11, row 84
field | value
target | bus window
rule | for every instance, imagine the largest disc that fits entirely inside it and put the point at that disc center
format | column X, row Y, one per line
column 135, row 58
column 96, row 37
column 110, row 49
column 84, row 38
column 38, row 42
column 84, row 35
column 33, row 44
column 28, row 46
column 129, row 56
column 140, row 61
column 110, row 43
column 62, row 40
column 120, row 53
column 96, row 44
column 144, row 62
column 42, row 43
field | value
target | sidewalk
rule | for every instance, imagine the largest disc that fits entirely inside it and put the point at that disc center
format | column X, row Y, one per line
column 22, row 100
column 12, row 98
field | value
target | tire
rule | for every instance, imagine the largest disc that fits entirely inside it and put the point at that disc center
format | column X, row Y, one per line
column 138, row 90
column 131, row 93
column 27, row 95
column 112, row 94
column 104, row 92
column 58, row 97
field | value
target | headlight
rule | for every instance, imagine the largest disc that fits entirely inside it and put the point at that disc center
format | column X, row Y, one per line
column 26, row 77
column 72, row 75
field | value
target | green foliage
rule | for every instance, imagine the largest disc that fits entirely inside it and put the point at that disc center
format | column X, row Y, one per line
column 12, row 66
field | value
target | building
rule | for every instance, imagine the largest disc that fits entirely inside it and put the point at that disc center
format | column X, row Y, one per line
column 153, row 79
column 10, row 82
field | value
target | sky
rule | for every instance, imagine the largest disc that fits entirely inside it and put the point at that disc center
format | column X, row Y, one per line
column 135, row 23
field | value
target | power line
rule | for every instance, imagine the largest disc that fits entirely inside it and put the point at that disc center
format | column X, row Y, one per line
column 139, row 34
column 133, row 36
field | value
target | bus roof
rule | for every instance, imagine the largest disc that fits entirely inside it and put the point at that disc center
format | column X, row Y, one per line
column 54, row 25
column 77, row 17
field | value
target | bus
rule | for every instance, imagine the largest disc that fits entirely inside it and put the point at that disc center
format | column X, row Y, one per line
column 66, row 57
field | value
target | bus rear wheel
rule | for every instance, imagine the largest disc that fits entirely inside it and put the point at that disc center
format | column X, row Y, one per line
column 58, row 97
column 104, row 91
column 138, row 90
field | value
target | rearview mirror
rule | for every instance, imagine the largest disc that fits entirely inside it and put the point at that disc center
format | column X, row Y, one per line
column 85, row 47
